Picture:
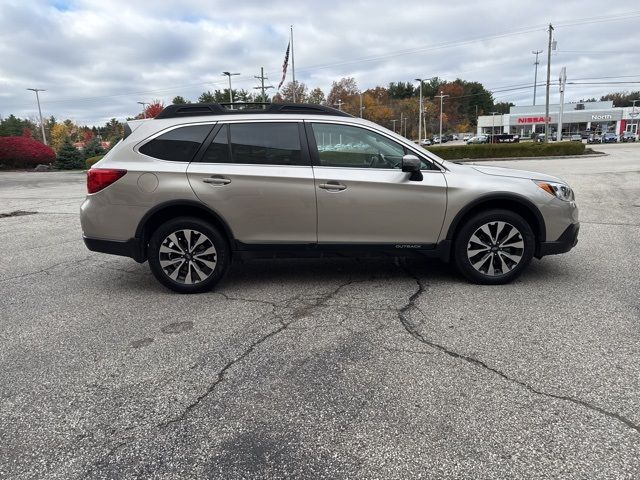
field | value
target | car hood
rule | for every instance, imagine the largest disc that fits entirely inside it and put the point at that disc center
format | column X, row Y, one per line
column 510, row 172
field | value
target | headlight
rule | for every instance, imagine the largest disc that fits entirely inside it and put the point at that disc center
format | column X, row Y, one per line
column 559, row 190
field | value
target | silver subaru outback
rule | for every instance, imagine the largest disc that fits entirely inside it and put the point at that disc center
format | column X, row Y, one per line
column 202, row 183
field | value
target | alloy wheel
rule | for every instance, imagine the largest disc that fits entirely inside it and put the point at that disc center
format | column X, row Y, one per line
column 495, row 248
column 187, row 256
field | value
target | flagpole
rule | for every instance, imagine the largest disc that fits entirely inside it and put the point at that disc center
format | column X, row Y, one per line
column 293, row 67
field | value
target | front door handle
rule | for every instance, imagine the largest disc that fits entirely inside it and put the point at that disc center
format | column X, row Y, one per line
column 332, row 186
column 217, row 180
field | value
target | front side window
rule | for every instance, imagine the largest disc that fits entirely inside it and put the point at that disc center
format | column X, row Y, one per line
column 354, row 147
column 266, row 143
column 177, row 145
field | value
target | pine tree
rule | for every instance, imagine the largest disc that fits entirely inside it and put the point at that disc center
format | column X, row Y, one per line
column 92, row 148
column 69, row 157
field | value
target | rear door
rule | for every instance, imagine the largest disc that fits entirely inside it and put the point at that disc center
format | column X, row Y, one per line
column 257, row 175
column 363, row 195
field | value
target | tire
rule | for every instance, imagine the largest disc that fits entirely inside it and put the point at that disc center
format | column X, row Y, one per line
column 188, row 255
column 493, row 247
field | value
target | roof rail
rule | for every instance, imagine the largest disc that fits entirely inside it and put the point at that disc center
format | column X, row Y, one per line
column 202, row 109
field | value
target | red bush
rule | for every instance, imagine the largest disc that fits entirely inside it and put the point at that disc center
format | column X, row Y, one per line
column 24, row 152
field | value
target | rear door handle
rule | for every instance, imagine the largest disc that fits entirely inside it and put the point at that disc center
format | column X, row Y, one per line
column 217, row 180
column 332, row 186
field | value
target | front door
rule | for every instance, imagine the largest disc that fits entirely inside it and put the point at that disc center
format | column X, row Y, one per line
column 363, row 195
column 258, row 177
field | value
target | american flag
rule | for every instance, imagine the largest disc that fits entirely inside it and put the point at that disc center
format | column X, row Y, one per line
column 285, row 65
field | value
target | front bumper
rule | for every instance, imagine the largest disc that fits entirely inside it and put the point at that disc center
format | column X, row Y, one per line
column 566, row 242
column 131, row 248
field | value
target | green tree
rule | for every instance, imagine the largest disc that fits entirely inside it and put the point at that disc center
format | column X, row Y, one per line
column 92, row 148
column 69, row 157
column 622, row 99
column 286, row 93
column 179, row 100
column 502, row 107
column 400, row 90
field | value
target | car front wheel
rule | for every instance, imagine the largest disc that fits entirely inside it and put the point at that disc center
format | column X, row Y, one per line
column 188, row 255
column 494, row 247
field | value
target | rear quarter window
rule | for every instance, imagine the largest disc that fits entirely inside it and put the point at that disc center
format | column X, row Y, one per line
column 177, row 145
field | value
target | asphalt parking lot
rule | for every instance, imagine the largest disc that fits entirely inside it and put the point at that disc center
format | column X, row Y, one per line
column 321, row 368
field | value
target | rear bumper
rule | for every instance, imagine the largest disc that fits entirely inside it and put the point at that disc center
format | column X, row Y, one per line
column 566, row 242
column 131, row 248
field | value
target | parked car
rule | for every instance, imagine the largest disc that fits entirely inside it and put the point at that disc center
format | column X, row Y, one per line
column 628, row 137
column 426, row 142
column 575, row 137
column 466, row 138
column 609, row 138
column 594, row 138
column 196, row 186
column 454, row 137
column 478, row 139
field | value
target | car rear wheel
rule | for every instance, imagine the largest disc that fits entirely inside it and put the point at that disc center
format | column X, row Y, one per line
column 188, row 255
column 494, row 247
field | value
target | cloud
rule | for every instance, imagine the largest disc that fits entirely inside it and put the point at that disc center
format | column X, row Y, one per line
column 97, row 59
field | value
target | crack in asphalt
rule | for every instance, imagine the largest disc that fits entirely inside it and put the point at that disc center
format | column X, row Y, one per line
column 16, row 213
column 411, row 329
column 46, row 270
column 297, row 314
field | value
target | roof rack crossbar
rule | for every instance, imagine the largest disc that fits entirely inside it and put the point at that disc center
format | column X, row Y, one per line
column 202, row 109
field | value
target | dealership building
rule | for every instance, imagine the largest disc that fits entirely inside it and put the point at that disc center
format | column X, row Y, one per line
column 597, row 117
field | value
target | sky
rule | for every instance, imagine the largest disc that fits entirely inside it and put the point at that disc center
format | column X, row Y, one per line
column 97, row 59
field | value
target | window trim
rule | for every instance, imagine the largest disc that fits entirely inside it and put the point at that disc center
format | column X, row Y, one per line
column 304, row 147
column 142, row 143
column 315, row 153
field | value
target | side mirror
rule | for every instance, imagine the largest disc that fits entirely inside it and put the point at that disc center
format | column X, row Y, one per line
column 411, row 164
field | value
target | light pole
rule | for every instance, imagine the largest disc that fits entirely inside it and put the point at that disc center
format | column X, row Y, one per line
column 361, row 107
column 441, row 97
column 420, row 112
column 393, row 122
column 535, row 77
column 44, row 138
column 229, row 74
column 493, row 125
column 546, row 108
column 339, row 104
column 144, row 109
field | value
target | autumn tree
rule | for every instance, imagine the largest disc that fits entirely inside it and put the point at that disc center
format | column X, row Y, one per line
column 152, row 110
column 286, row 93
column 343, row 90
column 622, row 99
column 59, row 133
column 316, row 96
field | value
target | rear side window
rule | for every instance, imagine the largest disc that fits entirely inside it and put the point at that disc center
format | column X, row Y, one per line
column 177, row 145
column 266, row 143
column 218, row 150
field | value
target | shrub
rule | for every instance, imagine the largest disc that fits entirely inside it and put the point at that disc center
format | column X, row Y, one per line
column 508, row 150
column 91, row 160
column 69, row 157
column 24, row 152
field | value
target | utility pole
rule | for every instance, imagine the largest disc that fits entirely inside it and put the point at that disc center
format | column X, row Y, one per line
column 229, row 74
column 44, row 138
column 562, row 81
column 401, row 120
column 535, row 78
column 420, row 112
column 361, row 107
column 546, row 108
column 441, row 97
column 393, row 122
column 262, row 87
column 633, row 115
column 339, row 104
column 144, row 109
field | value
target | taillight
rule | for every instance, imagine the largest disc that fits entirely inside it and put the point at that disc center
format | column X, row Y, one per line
column 99, row 178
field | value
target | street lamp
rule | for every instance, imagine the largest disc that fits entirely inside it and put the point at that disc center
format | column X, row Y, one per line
column 393, row 122
column 44, row 139
column 634, row 114
column 339, row 104
column 144, row 109
column 229, row 74
column 420, row 112
column 441, row 97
